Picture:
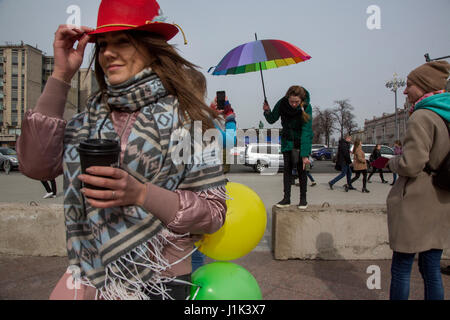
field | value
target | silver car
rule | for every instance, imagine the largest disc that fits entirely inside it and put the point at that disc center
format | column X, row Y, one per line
column 264, row 157
column 8, row 159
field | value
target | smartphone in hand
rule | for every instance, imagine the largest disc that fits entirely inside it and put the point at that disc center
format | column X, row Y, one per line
column 220, row 100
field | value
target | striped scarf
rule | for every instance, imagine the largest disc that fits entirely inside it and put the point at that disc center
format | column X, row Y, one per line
column 119, row 250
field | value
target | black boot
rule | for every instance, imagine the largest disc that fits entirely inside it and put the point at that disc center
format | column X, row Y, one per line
column 364, row 190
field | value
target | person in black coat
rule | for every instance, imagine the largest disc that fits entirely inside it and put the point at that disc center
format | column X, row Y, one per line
column 376, row 153
column 343, row 162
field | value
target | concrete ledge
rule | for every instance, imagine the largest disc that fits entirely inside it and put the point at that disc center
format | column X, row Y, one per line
column 29, row 230
column 342, row 232
column 330, row 233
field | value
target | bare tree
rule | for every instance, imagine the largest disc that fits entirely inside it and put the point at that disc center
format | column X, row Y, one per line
column 323, row 124
column 344, row 117
column 317, row 125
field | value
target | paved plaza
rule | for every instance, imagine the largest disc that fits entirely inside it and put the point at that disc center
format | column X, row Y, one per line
column 35, row 277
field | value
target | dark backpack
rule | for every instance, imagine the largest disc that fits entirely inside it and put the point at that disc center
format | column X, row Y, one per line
column 441, row 176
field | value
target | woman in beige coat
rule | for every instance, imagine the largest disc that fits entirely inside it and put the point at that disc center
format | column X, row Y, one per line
column 359, row 165
column 418, row 211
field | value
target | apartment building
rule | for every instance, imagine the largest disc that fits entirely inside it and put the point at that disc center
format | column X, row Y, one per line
column 24, row 71
column 382, row 129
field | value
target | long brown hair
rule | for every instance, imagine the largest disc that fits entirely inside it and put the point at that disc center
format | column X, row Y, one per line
column 300, row 92
column 356, row 145
column 172, row 69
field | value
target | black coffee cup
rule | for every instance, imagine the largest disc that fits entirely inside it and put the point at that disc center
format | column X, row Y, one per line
column 98, row 152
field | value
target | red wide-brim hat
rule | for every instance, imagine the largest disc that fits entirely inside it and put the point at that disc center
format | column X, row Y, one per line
column 120, row 15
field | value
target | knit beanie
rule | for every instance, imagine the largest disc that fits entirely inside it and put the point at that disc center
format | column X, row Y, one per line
column 431, row 76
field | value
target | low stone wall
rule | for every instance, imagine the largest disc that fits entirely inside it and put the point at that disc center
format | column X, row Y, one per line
column 329, row 233
column 332, row 233
column 31, row 230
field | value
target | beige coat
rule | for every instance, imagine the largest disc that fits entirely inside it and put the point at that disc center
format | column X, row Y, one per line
column 359, row 160
column 418, row 212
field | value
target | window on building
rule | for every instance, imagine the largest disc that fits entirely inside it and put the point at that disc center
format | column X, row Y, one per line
column 14, row 81
column 15, row 57
column 14, row 119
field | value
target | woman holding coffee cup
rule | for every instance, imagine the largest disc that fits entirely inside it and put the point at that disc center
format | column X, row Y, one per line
column 130, row 229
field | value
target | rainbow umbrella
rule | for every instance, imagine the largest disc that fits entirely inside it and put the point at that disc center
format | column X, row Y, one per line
column 260, row 55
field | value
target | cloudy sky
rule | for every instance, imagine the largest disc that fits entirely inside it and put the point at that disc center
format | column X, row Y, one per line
column 349, row 60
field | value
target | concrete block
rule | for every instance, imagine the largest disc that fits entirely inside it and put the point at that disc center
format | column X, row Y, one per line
column 343, row 232
column 32, row 230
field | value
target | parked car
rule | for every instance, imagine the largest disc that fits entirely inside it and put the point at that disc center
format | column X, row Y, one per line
column 333, row 156
column 8, row 159
column 316, row 147
column 323, row 154
column 262, row 156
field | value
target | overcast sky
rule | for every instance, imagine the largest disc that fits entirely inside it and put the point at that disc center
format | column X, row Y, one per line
column 348, row 59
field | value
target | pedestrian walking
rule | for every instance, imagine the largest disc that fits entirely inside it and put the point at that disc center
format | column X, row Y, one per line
column 359, row 164
column 397, row 151
column 296, row 138
column 50, row 188
column 376, row 153
column 136, row 240
column 308, row 168
column 343, row 162
column 418, row 211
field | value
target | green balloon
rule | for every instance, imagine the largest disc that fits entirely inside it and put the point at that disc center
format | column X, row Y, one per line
column 223, row 280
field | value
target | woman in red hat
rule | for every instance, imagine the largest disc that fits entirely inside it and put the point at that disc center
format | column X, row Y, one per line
column 133, row 239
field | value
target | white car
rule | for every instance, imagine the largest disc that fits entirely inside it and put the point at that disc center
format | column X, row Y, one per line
column 264, row 156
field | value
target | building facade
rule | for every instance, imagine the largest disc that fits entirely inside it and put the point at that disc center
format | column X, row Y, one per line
column 24, row 71
column 382, row 129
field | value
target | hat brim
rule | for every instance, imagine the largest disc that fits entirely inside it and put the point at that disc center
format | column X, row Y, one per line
column 167, row 30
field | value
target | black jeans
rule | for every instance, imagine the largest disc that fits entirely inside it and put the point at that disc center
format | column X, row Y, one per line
column 358, row 174
column 47, row 187
column 288, row 177
column 376, row 170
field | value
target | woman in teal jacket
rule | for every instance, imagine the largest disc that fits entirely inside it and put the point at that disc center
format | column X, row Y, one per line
column 295, row 112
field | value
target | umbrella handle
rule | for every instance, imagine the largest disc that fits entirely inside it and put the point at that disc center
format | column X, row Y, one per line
column 262, row 78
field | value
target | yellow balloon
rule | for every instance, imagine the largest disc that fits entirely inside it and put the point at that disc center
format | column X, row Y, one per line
column 244, row 226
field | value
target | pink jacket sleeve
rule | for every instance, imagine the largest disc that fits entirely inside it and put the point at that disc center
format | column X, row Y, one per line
column 200, row 212
column 41, row 143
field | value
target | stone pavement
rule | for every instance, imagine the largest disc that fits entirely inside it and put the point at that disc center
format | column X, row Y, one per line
column 34, row 277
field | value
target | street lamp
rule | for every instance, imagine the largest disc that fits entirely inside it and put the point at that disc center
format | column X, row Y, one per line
column 395, row 84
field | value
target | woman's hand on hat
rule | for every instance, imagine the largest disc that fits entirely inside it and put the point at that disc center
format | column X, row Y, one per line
column 122, row 188
column 266, row 107
column 67, row 58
